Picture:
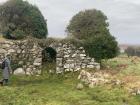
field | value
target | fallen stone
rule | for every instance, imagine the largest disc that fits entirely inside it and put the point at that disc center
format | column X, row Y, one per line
column 79, row 86
column 19, row 71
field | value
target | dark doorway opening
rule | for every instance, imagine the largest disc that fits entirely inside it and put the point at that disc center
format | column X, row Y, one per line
column 49, row 55
column 49, row 60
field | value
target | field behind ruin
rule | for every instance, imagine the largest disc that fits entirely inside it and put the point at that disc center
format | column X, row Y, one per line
column 50, row 89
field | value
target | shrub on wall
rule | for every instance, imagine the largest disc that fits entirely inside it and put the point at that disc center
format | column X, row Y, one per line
column 101, row 47
column 18, row 34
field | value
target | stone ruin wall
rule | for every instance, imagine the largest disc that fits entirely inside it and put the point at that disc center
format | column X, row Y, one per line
column 27, row 56
column 71, row 58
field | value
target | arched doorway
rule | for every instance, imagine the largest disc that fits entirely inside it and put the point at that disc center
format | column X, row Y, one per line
column 49, row 55
column 49, row 60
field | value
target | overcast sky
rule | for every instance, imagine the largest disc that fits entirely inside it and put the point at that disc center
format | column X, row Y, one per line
column 123, row 15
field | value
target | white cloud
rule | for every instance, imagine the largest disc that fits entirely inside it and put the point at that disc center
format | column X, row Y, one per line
column 130, row 1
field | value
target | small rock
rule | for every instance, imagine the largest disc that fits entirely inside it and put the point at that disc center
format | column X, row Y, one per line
column 28, row 71
column 77, row 69
column 37, row 64
column 66, row 66
column 118, row 82
column 90, row 66
column 66, row 56
column 74, row 55
column 138, row 92
column 91, row 85
column 20, row 62
column 81, row 48
column 38, row 60
column 80, row 86
column 3, row 51
column 82, row 55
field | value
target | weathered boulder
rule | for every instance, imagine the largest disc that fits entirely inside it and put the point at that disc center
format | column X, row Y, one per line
column 19, row 71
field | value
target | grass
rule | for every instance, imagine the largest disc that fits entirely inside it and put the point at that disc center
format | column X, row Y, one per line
column 50, row 89
column 124, row 65
column 59, row 90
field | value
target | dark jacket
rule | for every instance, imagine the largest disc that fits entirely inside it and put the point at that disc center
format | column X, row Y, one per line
column 7, row 68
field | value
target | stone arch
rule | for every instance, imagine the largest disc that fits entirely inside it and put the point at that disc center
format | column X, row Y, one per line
column 49, row 55
column 71, row 58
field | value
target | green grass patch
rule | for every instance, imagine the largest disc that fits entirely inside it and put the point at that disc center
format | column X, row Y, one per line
column 59, row 90
column 52, row 89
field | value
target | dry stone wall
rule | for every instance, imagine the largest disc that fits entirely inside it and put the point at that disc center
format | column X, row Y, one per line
column 71, row 58
column 26, row 57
